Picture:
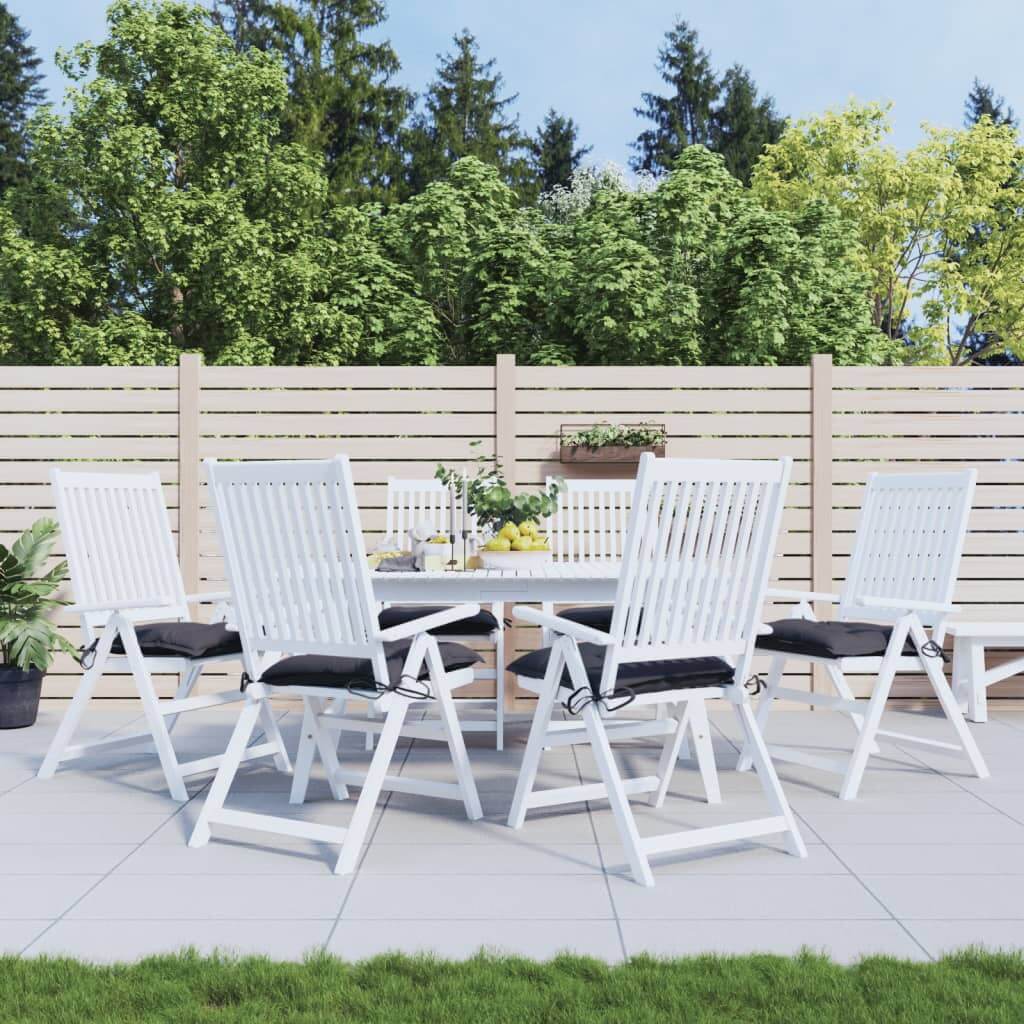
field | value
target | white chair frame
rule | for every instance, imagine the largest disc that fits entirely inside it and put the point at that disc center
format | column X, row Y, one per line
column 296, row 562
column 699, row 547
column 124, row 571
column 408, row 501
column 903, row 571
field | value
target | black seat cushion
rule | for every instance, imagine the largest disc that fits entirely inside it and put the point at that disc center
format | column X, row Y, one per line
column 482, row 624
column 342, row 673
column 640, row 677
column 830, row 639
column 184, row 640
column 597, row 616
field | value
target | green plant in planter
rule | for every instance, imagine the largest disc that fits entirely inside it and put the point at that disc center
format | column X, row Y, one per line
column 604, row 435
column 28, row 639
column 490, row 498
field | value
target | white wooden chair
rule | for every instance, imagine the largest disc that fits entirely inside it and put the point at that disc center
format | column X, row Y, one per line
column 296, row 562
column 695, row 568
column 135, row 615
column 901, row 577
column 410, row 501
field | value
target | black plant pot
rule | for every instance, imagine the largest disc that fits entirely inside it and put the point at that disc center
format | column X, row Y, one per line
column 19, row 696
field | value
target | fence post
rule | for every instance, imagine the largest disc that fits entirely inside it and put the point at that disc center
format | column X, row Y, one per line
column 189, row 367
column 505, row 453
column 821, row 492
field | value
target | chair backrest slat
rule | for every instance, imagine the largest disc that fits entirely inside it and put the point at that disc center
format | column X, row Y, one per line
column 295, row 558
column 119, row 544
column 590, row 519
column 411, row 501
column 698, row 552
column 909, row 541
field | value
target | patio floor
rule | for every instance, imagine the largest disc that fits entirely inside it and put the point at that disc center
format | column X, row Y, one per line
column 93, row 863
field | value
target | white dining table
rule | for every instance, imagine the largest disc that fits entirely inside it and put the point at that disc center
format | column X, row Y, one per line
column 560, row 583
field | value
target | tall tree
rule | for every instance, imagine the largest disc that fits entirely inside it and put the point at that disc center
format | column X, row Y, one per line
column 466, row 115
column 343, row 101
column 743, row 123
column 20, row 91
column 683, row 118
column 725, row 114
column 982, row 101
column 554, row 153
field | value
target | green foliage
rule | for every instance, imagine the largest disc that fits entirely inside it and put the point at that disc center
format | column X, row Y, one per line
column 20, row 91
column 982, row 102
column 555, row 152
column 726, row 115
column 490, row 499
column 604, row 435
column 27, row 637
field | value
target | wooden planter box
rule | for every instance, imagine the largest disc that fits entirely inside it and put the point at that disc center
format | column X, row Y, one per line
column 609, row 453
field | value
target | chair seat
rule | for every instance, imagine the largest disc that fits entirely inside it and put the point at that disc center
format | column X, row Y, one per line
column 640, row 676
column 344, row 673
column 830, row 639
column 597, row 616
column 482, row 624
column 184, row 640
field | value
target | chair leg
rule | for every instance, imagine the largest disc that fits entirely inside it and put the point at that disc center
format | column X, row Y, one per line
column 842, row 687
column 532, row 756
column 499, row 687
column 764, row 708
column 304, row 755
column 457, row 749
column 73, row 716
column 327, row 749
column 186, row 683
column 949, row 705
column 876, row 706
column 769, row 779
column 154, row 719
column 700, row 728
column 669, row 756
column 617, row 796
column 355, row 834
column 226, row 771
column 273, row 734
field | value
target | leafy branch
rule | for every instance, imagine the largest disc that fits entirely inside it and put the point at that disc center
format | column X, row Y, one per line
column 604, row 435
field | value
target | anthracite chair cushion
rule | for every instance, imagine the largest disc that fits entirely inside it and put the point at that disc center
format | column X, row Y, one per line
column 829, row 639
column 482, row 624
column 184, row 640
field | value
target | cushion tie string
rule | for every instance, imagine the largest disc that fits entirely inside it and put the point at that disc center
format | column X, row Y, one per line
column 579, row 699
column 932, row 650
column 754, row 685
column 370, row 689
column 87, row 655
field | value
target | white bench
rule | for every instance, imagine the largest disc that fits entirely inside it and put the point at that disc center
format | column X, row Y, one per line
column 971, row 679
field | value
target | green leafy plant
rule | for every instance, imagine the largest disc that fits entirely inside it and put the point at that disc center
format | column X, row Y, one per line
column 604, row 435
column 490, row 498
column 28, row 638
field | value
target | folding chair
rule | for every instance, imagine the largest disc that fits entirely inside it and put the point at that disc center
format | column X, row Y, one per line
column 901, row 577
column 411, row 501
column 134, row 615
column 296, row 562
column 695, row 568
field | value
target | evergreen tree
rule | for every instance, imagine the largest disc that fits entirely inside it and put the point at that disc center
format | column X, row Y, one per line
column 554, row 153
column 465, row 116
column 982, row 101
column 20, row 91
column 344, row 104
column 743, row 123
column 684, row 118
column 726, row 115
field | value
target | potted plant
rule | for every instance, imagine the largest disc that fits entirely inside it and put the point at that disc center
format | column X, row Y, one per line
column 28, row 638
column 606, row 442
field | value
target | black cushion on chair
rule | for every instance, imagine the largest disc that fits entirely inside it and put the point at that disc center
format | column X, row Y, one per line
column 830, row 639
column 598, row 616
column 482, row 624
column 640, row 677
column 183, row 640
column 342, row 673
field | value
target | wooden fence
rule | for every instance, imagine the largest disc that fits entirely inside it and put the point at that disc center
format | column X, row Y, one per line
column 838, row 423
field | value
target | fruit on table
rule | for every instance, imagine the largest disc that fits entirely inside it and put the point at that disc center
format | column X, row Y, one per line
column 498, row 544
column 539, row 544
column 439, row 539
column 510, row 531
column 528, row 528
column 522, row 544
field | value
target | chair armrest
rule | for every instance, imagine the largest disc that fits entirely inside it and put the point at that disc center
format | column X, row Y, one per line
column 566, row 627
column 803, row 595
column 122, row 606
column 213, row 597
column 906, row 604
column 425, row 623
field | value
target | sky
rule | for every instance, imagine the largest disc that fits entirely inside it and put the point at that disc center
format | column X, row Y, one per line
column 591, row 59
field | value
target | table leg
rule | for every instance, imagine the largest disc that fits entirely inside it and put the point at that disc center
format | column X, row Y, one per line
column 977, row 698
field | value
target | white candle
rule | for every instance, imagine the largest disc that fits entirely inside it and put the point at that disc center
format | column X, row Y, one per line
column 451, row 504
column 465, row 506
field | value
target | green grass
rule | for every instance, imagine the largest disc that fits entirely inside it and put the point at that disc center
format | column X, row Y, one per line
column 972, row 986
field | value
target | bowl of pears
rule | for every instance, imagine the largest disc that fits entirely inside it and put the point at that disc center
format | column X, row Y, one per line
column 515, row 546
